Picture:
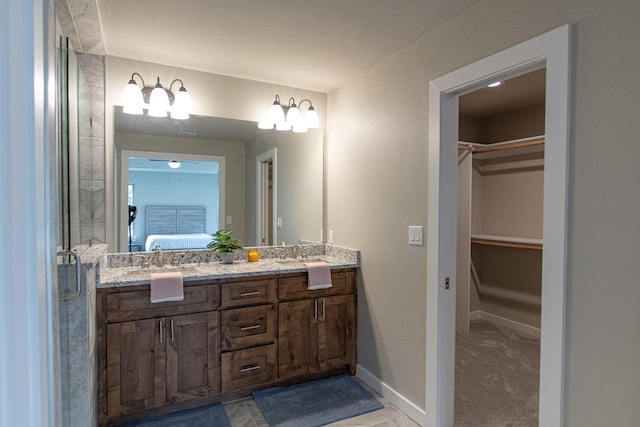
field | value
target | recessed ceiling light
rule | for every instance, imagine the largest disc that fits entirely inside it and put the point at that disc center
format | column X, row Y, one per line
column 494, row 84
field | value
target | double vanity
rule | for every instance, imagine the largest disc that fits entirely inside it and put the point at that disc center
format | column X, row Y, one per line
column 241, row 327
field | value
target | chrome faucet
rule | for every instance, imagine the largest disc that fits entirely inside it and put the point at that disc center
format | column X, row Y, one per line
column 159, row 257
column 144, row 260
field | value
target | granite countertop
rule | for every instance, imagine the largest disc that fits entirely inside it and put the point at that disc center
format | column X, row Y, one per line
column 132, row 276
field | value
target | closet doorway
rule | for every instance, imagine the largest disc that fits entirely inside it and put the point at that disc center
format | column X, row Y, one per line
column 499, row 252
column 552, row 51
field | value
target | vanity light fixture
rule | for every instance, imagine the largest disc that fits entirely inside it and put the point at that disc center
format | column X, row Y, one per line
column 174, row 164
column 293, row 119
column 158, row 100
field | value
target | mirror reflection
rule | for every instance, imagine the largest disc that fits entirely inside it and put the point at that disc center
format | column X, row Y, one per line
column 264, row 184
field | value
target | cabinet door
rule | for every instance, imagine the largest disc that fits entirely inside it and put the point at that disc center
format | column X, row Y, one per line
column 336, row 332
column 192, row 356
column 297, row 338
column 135, row 366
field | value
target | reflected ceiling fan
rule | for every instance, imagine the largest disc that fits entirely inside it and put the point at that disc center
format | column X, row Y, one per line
column 173, row 164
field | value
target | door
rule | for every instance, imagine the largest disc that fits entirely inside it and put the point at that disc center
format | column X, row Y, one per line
column 135, row 366
column 192, row 343
column 335, row 331
column 297, row 337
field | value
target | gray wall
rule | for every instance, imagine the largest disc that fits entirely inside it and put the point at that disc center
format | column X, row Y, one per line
column 385, row 161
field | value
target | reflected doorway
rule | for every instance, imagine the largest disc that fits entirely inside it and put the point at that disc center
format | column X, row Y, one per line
column 266, row 227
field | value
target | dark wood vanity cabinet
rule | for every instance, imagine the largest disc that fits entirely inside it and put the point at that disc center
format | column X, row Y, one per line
column 316, row 329
column 157, row 354
column 155, row 362
column 227, row 338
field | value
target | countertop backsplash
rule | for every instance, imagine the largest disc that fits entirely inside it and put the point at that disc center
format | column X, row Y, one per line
column 124, row 269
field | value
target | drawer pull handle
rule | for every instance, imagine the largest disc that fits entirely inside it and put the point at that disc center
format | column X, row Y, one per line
column 161, row 328
column 250, row 368
column 250, row 294
column 248, row 328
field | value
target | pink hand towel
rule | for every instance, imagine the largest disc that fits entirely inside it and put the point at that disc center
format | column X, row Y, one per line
column 319, row 275
column 166, row 287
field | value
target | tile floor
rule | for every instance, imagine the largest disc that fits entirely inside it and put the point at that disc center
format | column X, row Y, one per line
column 245, row 413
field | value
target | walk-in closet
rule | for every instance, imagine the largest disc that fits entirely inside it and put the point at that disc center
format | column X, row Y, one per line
column 499, row 259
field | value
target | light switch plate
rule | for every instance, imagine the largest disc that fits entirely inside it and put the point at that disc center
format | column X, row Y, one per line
column 229, row 219
column 416, row 235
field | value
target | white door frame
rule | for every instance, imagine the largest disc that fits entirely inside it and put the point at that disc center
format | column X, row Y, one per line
column 552, row 50
column 124, row 182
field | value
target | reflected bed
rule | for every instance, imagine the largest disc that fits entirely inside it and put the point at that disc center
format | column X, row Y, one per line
column 177, row 241
column 176, row 227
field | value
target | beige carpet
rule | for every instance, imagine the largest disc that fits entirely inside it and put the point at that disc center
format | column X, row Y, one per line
column 497, row 372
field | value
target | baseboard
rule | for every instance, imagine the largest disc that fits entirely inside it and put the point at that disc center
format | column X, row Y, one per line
column 507, row 323
column 396, row 399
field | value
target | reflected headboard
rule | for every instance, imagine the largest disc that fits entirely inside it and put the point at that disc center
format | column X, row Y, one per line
column 175, row 219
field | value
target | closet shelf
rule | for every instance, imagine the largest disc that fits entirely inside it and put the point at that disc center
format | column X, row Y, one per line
column 507, row 241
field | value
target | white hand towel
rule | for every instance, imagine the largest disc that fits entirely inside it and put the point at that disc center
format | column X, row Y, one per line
column 166, row 287
column 319, row 275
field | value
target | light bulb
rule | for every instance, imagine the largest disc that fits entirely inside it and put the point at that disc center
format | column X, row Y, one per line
column 174, row 164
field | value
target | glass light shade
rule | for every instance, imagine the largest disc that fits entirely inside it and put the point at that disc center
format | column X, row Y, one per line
column 311, row 118
column 299, row 129
column 132, row 100
column 174, row 164
column 294, row 118
column 182, row 105
column 158, row 102
column 276, row 113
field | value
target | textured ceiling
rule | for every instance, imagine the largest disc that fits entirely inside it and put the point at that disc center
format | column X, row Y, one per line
column 309, row 44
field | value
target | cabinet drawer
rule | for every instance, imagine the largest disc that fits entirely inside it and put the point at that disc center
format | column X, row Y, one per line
column 295, row 286
column 248, row 326
column 132, row 305
column 248, row 292
column 242, row 369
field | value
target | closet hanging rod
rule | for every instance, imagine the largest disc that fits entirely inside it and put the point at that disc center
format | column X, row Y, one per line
column 477, row 147
column 533, row 247
column 509, row 147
